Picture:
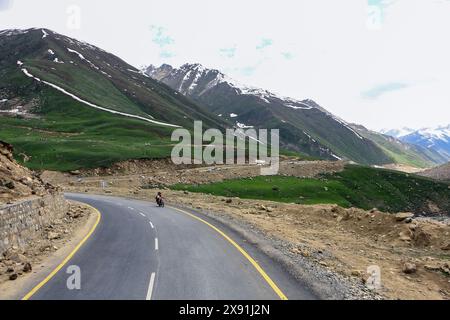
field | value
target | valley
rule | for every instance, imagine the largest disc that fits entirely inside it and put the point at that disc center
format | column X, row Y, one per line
column 83, row 126
column 66, row 88
column 325, row 245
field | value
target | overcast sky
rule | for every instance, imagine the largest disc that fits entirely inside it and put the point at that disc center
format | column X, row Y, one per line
column 380, row 63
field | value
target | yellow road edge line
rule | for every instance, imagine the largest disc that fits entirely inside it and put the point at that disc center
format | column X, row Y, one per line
column 255, row 264
column 67, row 259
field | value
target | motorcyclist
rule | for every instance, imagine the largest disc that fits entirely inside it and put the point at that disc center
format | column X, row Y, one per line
column 160, row 199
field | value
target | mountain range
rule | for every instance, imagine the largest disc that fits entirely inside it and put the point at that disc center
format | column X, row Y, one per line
column 66, row 104
column 433, row 139
column 305, row 126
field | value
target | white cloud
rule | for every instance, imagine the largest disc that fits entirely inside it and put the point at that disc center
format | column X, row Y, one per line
column 321, row 49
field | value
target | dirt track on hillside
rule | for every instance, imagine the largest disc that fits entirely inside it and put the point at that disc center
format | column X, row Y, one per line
column 161, row 173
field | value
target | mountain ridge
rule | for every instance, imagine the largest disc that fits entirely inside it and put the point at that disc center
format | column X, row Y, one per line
column 435, row 139
column 301, row 120
column 93, row 75
column 54, row 92
column 403, row 152
column 49, row 81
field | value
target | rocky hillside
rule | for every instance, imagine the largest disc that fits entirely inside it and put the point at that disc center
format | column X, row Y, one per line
column 17, row 182
column 304, row 125
column 439, row 173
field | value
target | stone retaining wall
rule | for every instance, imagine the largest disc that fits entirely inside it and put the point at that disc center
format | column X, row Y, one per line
column 23, row 221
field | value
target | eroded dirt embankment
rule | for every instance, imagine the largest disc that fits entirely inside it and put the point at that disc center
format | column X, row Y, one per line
column 35, row 221
column 16, row 181
column 161, row 173
column 439, row 173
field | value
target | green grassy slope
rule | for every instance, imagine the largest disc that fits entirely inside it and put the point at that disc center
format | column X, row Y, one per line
column 61, row 133
column 356, row 186
column 69, row 135
column 97, row 77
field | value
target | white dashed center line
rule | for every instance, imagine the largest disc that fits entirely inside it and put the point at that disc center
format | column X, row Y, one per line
column 151, row 225
column 150, row 286
column 142, row 214
column 156, row 244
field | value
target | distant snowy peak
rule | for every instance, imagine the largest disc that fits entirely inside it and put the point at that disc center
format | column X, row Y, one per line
column 437, row 139
column 442, row 132
column 397, row 133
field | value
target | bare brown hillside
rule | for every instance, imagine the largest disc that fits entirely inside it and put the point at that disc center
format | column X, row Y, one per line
column 17, row 182
column 439, row 173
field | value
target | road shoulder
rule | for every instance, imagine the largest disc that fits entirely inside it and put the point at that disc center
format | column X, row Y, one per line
column 47, row 262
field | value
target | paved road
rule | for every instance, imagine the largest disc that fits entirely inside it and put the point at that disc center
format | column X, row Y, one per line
column 139, row 251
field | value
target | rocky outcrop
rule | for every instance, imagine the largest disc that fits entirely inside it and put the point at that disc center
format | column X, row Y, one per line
column 439, row 173
column 18, row 182
column 27, row 204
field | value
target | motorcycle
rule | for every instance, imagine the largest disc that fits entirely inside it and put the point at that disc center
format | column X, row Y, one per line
column 160, row 202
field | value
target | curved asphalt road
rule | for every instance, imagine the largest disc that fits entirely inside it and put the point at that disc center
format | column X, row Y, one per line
column 139, row 251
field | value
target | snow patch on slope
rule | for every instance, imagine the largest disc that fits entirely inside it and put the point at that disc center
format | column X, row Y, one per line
column 25, row 71
column 242, row 89
column 303, row 106
column 335, row 156
column 345, row 124
column 243, row 126
column 83, row 58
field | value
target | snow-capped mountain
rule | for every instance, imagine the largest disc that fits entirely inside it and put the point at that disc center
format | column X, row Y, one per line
column 397, row 133
column 437, row 139
column 196, row 80
column 305, row 126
